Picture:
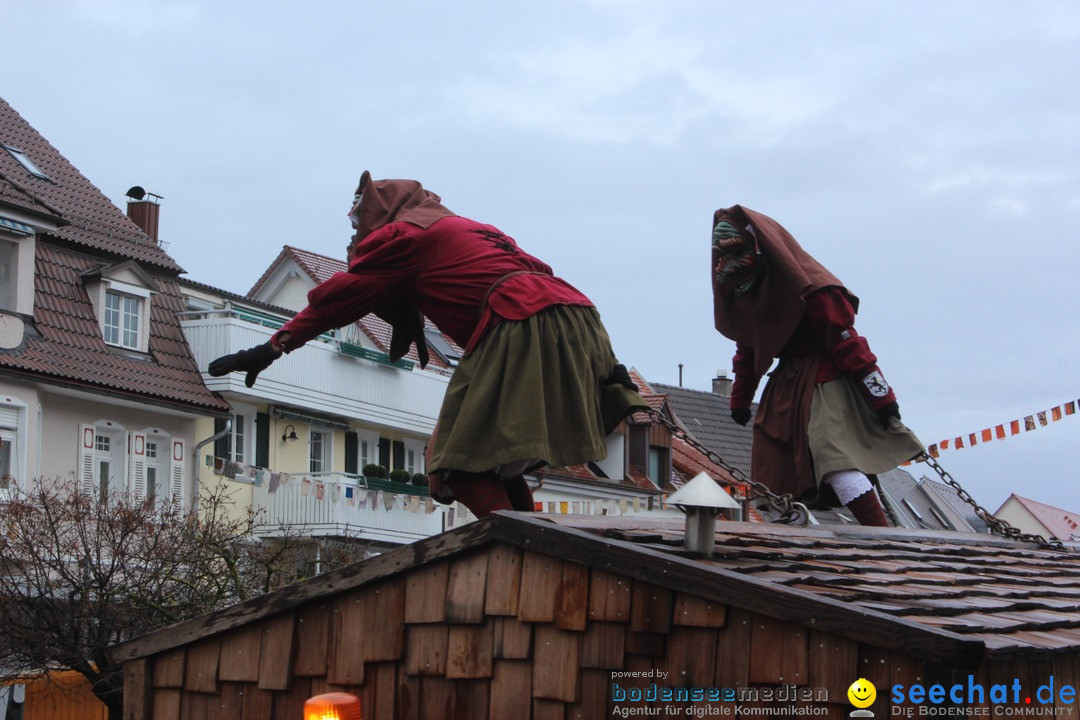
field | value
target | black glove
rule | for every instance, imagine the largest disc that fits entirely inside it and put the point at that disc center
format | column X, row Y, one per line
column 621, row 376
column 253, row 361
column 741, row 415
column 885, row 414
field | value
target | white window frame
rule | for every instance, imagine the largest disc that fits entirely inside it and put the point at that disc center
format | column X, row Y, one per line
column 242, row 440
column 414, row 450
column 127, row 331
column 92, row 454
column 168, row 462
column 324, row 448
column 13, row 437
column 367, row 449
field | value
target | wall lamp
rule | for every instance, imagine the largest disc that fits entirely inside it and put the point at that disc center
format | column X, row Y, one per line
column 290, row 434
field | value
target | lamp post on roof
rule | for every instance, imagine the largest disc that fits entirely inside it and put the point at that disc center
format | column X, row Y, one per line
column 701, row 500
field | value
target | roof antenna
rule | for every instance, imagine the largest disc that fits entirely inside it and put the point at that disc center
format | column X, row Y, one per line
column 680, row 374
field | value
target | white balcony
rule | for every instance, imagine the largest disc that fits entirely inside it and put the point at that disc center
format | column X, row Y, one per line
column 325, row 376
column 335, row 505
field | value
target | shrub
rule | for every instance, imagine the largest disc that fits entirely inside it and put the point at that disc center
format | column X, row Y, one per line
column 374, row 471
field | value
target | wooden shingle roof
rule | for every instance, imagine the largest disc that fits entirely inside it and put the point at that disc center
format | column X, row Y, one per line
column 949, row 597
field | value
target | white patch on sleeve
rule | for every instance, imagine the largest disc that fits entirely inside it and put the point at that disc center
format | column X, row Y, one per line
column 876, row 385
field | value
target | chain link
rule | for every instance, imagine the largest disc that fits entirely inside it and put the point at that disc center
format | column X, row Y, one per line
column 995, row 524
column 788, row 511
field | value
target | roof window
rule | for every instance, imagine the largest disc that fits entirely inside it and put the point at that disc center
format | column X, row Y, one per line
column 26, row 162
column 442, row 348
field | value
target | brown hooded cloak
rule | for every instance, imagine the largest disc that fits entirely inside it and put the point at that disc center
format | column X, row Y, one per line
column 765, row 322
column 766, row 319
column 387, row 201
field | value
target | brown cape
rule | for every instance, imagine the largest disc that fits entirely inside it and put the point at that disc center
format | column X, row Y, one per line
column 388, row 201
column 765, row 320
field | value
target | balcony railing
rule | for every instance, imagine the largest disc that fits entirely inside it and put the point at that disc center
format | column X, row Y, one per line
column 327, row 375
column 339, row 505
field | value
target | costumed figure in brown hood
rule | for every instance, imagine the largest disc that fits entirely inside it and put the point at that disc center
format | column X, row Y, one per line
column 538, row 383
column 827, row 415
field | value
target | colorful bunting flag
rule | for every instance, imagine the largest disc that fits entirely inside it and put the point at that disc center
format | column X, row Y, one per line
column 998, row 432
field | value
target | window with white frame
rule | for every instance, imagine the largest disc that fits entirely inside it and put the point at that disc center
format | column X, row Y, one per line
column 9, row 456
column 319, row 451
column 414, row 456
column 242, row 447
column 156, row 466
column 7, row 275
column 153, row 469
column 123, row 320
column 367, row 449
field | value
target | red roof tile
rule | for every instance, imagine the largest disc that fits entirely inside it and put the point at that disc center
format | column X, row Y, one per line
column 319, row 268
column 92, row 221
column 1063, row 524
column 64, row 340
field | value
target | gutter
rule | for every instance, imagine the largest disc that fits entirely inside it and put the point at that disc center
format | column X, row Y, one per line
column 195, row 457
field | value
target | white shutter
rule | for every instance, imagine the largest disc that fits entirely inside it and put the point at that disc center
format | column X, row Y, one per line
column 9, row 417
column 176, row 471
column 137, row 466
column 86, row 459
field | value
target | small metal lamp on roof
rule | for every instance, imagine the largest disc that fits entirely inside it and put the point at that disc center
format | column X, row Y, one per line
column 701, row 499
column 333, row 706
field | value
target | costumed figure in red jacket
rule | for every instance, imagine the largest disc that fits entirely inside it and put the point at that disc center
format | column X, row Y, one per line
column 538, row 383
column 827, row 416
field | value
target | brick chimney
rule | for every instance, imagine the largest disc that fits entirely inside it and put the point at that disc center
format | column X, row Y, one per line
column 144, row 210
column 721, row 384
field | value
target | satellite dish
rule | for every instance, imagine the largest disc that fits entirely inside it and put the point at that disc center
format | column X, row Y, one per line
column 136, row 193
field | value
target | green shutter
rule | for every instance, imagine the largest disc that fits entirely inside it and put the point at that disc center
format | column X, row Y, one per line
column 352, row 453
column 262, row 440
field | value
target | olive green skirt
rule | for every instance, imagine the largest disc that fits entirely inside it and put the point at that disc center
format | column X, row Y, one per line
column 532, row 393
column 845, row 434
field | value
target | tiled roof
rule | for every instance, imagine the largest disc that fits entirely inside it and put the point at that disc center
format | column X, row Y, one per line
column 64, row 341
column 92, row 221
column 951, row 497
column 1012, row 597
column 707, row 417
column 71, row 348
column 908, row 502
column 1063, row 524
column 319, row 268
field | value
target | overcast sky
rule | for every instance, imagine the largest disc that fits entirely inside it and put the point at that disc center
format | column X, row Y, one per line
column 928, row 153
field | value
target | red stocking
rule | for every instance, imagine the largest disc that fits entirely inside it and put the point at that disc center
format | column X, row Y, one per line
column 867, row 510
column 521, row 497
column 482, row 493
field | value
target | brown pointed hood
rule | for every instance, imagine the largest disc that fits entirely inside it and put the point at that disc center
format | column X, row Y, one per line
column 387, row 201
column 766, row 319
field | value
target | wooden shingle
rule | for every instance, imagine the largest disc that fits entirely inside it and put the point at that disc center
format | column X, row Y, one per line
column 466, row 587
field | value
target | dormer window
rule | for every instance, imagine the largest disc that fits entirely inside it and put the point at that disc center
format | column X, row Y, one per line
column 121, row 295
column 26, row 162
column 123, row 319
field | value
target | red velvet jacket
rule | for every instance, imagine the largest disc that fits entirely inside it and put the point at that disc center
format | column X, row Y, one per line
column 826, row 328
column 463, row 275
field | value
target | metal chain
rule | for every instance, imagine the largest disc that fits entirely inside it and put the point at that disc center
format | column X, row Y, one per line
column 995, row 524
column 787, row 511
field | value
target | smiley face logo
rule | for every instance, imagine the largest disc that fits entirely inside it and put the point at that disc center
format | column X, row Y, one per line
column 862, row 693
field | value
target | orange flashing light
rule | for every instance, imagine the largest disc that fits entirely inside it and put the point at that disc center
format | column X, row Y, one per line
column 333, row 706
